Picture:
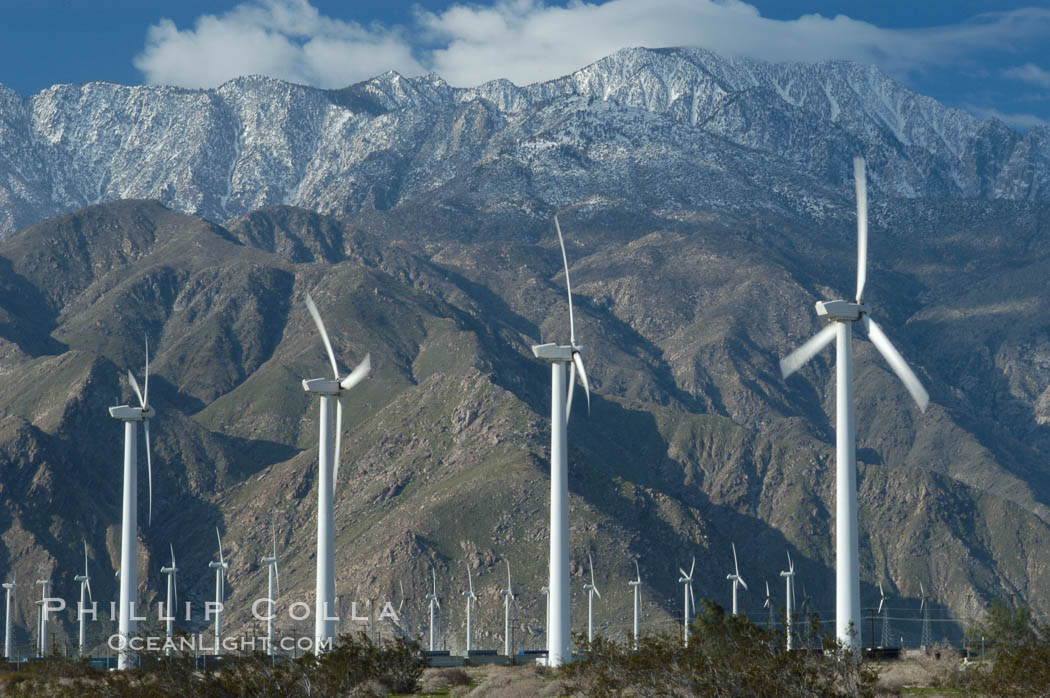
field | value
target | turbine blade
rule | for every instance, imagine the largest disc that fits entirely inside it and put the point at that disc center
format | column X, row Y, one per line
column 338, row 438
column 273, row 532
column 796, row 359
column 358, row 374
column 135, row 387
column 572, row 385
column 880, row 606
column 91, row 597
column 433, row 574
column 683, row 572
column 276, row 579
column 637, row 571
column 736, row 568
column 742, row 582
column 881, row 593
column 691, row 568
column 145, row 379
column 860, row 182
column 767, row 588
column 85, row 559
column 470, row 580
column 508, row 574
column 791, row 565
column 590, row 566
column 149, row 470
column 596, row 592
column 219, row 538
column 568, row 286
column 897, row 363
column 692, row 599
column 324, row 334
column 577, row 361
column 175, row 585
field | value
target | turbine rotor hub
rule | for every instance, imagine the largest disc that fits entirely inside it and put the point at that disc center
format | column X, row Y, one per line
column 841, row 311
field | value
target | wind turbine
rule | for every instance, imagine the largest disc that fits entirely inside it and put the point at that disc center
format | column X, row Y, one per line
column 768, row 605
column 272, row 574
column 220, row 568
column 559, row 619
column 636, row 584
column 471, row 598
column 169, row 604
column 687, row 581
column 736, row 579
column 508, row 597
column 841, row 315
column 85, row 584
column 41, row 637
column 789, row 598
column 924, row 606
column 129, row 513
column 885, row 611
column 328, row 472
column 10, row 588
column 432, row 597
column 591, row 590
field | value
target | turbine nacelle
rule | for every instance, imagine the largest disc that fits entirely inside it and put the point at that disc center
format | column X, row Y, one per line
column 841, row 311
column 322, row 386
column 127, row 413
column 556, row 352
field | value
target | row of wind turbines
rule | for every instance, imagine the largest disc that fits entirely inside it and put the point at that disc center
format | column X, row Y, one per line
column 840, row 316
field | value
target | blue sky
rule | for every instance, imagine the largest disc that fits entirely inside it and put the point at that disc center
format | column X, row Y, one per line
column 992, row 58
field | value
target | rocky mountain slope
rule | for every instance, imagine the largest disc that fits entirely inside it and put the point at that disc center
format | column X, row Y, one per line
column 707, row 204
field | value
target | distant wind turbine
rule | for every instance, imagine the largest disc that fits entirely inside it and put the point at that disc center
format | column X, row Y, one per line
column 592, row 590
column 41, row 637
column 687, row 581
column 220, row 568
column 471, row 599
column 172, row 599
column 508, row 598
column 885, row 612
column 272, row 574
column 85, row 584
column 9, row 587
column 129, row 511
column 841, row 315
column 768, row 605
column 924, row 606
column 435, row 605
column 636, row 584
column 328, row 473
column 736, row 579
column 789, row 599
column 559, row 619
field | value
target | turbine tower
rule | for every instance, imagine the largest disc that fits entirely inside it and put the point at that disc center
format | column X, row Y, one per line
column 41, row 638
column 471, row 598
column 10, row 588
column 736, row 579
column 686, row 580
column 559, row 619
column 546, row 591
column 435, row 605
column 272, row 574
column 841, row 315
column 85, row 584
column 925, row 607
column 129, row 514
column 592, row 590
column 171, row 601
column 789, row 600
column 328, row 472
column 508, row 597
column 635, row 584
column 220, row 568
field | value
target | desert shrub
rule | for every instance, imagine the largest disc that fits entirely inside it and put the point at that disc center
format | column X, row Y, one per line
column 727, row 656
column 1019, row 649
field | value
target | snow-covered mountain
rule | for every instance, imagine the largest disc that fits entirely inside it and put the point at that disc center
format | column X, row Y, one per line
column 648, row 129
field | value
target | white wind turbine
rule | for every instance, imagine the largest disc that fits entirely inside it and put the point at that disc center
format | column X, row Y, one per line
column 768, row 605
column 220, row 568
column 471, row 599
column 129, row 511
column 272, row 574
column 85, row 584
column 435, row 605
column 686, row 580
column 328, row 472
column 10, row 589
column 737, row 580
column 559, row 619
column 508, row 598
column 884, row 611
column 591, row 590
column 924, row 606
column 172, row 600
column 789, row 598
column 636, row 584
column 841, row 315
column 41, row 638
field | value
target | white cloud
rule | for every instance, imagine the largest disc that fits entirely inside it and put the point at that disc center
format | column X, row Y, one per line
column 1029, row 72
column 287, row 39
column 1022, row 122
column 528, row 41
